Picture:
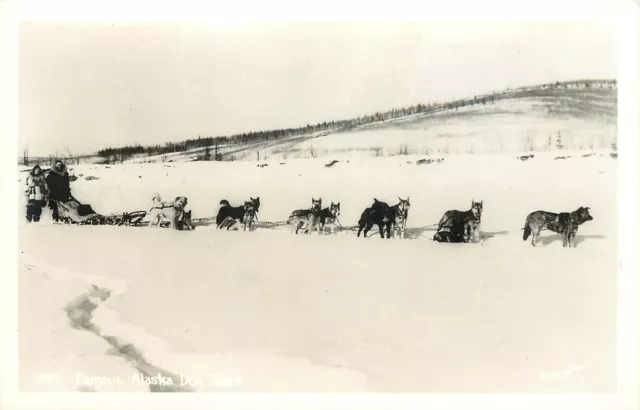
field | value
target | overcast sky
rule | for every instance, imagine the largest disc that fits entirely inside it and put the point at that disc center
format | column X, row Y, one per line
column 84, row 87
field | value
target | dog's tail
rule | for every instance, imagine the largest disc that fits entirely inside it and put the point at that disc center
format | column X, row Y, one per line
column 221, row 217
column 224, row 202
column 527, row 231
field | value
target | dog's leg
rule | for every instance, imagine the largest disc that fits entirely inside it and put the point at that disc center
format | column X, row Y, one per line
column 381, row 229
column 310, row 225
column 158, row 220
column 535, row 232
column 476, row 233
column 173, row 221
column 153, row 220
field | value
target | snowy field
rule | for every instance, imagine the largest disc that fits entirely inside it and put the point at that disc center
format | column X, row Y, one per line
column 272, row 311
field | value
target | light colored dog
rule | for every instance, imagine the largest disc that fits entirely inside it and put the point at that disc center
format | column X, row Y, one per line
column 306, row 219
column 170, row 212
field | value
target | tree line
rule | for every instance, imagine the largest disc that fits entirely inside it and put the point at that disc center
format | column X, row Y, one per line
column 123, row 153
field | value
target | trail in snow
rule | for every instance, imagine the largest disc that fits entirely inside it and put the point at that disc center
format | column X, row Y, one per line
column 81, row 311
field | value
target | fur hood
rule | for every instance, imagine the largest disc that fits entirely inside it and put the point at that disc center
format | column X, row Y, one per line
column 36, row 179
column 32, row 172
column 36, row 186
column 55, row 170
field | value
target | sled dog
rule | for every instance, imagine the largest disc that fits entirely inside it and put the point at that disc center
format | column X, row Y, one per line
column 565, row 223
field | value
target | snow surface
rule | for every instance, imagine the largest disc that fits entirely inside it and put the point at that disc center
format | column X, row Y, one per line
column 272, row 311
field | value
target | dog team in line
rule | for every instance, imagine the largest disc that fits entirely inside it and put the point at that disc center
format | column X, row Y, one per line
column 454, row 226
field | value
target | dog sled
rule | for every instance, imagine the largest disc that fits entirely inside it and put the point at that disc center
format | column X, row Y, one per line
column 76, row 213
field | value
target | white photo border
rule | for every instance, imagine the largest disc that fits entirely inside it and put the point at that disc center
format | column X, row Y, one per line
column 625, row 14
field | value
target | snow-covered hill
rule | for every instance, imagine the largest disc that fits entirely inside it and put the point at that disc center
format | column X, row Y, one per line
column 522, row 120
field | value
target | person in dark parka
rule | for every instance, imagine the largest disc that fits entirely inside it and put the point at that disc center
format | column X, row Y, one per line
column 59, row 189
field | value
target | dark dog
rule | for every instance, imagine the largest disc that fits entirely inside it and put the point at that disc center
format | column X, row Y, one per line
column 385, row 216
column 184, row 222
column 330, row 216
column 457, row 226
column 564, row 223
column 449, row 237
column 229, row 215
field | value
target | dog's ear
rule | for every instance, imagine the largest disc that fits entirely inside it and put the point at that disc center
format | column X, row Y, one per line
column 375, row 200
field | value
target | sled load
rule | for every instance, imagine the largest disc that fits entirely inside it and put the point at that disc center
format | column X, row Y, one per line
column 74, row 212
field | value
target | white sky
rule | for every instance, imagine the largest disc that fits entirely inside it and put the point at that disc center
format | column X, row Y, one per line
column 89, row 86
